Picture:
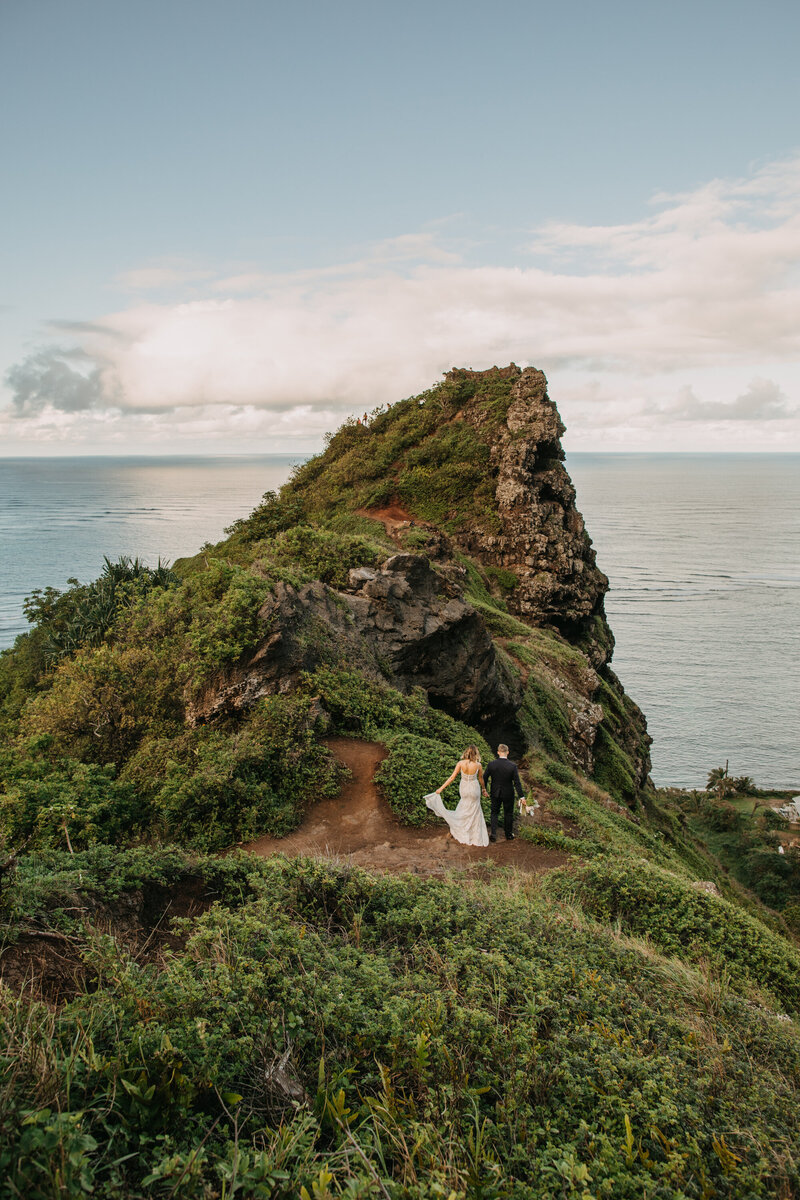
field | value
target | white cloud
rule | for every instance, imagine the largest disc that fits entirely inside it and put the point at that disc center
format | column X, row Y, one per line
column 762, row 401
column 708, row 283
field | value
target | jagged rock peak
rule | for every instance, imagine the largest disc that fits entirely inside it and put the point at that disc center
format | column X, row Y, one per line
column 541, row 535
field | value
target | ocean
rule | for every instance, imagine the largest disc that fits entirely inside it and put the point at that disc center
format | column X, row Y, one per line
column 701, row 551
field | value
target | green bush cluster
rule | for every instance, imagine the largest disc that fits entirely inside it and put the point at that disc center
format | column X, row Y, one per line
column 52, row 889
column 604, row 826
column 85, row 613
column 346, row 1035
column 416, row 766
column 224, row 601
column 424, row 743
column 361, row 706
column 57, row 801
column 216, row 785
column 273, row 515
column 207, row 787
column 544, row 717
column 322, row 553
column 685, row 921
column 746, row 842
column 447, row 476
column 64, row 623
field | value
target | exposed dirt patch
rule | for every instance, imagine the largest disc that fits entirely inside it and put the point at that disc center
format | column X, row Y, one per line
column 43, row 966
column 47, row 965
column 164, row 902
column 359, row 826
column 393, row 518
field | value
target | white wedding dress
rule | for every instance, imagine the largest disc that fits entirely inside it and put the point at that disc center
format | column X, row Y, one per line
column 466, row 820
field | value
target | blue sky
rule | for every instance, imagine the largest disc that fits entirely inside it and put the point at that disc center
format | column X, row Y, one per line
column 228, row 225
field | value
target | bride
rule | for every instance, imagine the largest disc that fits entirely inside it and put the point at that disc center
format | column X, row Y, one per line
column 466, row 820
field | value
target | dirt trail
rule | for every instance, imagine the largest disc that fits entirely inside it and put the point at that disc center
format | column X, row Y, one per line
column 358, row 826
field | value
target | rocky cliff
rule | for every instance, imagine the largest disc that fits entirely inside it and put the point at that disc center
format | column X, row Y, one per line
column 498, row 611
column 541, row 537
column 403, row 622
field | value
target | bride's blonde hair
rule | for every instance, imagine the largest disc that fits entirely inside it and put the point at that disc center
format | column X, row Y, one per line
column 471, row 754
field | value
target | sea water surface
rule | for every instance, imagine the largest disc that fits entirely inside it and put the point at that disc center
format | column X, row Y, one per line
column 701, row 552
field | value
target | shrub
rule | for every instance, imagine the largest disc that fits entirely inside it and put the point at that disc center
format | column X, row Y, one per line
column 58, row 801
column 791, row 915
column 416, row 766
column 212, row 787
column 369, row 709
column 224, row 601
column 683, row 921
column 52, row 887
column 102, row 701
column 86, row 613
column 341, row 1029
column 323, row 554
column 273, row 515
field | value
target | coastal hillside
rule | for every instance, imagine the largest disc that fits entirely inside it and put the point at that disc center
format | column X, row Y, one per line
column 211, row 986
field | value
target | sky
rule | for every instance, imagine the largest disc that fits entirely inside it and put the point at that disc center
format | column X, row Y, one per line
column 230, row 224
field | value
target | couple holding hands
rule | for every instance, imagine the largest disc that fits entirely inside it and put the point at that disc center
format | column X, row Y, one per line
column 466, row 820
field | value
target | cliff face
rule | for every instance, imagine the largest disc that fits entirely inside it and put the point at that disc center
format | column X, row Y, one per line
column 541, row 537
column 402, row 622
column 499, row 617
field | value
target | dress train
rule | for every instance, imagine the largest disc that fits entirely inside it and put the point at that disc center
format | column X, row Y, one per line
column 466, row 820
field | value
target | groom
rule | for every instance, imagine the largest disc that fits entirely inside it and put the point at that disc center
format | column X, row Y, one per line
column 502, row 778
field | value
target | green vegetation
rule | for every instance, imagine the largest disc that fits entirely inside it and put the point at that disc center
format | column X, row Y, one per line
column 457, row 1041
column 322, row 554
column 85, row 613
column 424, row 744
column 417, row 765
column 743, row 834
column 307, row 1030
column 723, row 784
column 65, row 622
column 593, row 823
column 207, row 787
column 420, row 453
column 682, row 920
column 614, row 768
column 506, row 579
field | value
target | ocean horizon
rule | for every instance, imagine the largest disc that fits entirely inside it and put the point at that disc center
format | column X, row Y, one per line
column 700, row 550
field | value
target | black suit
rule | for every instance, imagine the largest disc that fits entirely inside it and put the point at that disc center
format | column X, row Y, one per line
column 502, row 780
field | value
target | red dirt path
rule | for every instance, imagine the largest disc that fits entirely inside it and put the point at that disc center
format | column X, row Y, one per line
column 359, row 826
column 393, row 517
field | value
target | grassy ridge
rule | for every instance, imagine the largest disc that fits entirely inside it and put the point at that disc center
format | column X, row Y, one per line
column 418, row 452
column 457, row 1041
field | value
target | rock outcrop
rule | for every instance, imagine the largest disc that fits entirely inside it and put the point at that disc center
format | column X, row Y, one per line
column 409, row 622
column 403, row 622
column 542, row 538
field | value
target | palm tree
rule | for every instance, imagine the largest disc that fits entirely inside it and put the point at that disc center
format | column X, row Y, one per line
column 720, row 782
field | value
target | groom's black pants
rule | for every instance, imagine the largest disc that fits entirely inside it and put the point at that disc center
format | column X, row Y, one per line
column 507, row 804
